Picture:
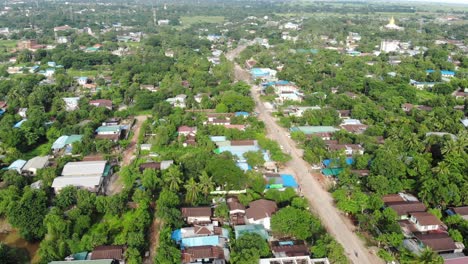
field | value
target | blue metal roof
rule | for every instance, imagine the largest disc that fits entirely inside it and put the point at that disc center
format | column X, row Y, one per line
column 200, row 241
column 447, row 72
column 176, row 235
column 327, row 162
column 242, row 113
column 289, row 181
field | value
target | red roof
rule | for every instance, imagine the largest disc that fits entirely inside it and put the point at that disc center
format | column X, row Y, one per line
column 260, row 209
column 101, row 102
column 191, row 254
column 196, row 211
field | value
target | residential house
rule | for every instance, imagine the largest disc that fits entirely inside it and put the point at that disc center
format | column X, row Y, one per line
column 101, row 103
column 403, row 204
column 344, row 114
column 178, row 101
column 65, row 142
column 461, row 94
column 203, row 254
column 163, row 165
column 82, row 80
column 289, row 248
column 424, row 222
column 169, row 53
column 109, row 132
column 114, row 121
column 145, row 147
column 312, row 130
column 163, row 22
column 71, row 103
column 294, row 260
column 17, row 165
column 249, row 64
column 353, row 126
column 349, row 149
column 3, row 105
column 196, row 215
column 186, row 130
column 264, row 74
column 240, row 230
column 439, row 242
column 22, row 112
column 298, row 111
column 280, row 181
column 291, row 26
column 236, row 211
column 33, row 165
column 456, row 259
column 149, row 87
column 100, row 261
column 89, row 175
column 462, row 211
column 260, row 212
column 109, row 252
column 422, row 85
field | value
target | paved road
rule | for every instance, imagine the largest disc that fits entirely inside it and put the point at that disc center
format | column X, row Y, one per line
column 320, row 200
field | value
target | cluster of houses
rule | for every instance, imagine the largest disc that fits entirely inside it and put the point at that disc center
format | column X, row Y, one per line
column 204, row 240
column 423, row 229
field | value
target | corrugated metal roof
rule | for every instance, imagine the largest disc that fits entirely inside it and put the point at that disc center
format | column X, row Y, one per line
column 36, row 163
column 200, row 241
column 84, row 168
column 108, row 129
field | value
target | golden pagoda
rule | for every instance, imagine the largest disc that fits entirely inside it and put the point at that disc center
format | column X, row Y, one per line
column 391, row 25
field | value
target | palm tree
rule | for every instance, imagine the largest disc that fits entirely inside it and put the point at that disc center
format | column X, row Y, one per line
column 192, row 188
column 428, row 257
column 206, row 183
column 173, row 177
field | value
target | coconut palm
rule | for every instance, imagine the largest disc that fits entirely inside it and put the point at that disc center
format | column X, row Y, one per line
column 428, row 257
column 206, row 183
column 173, row 177
column 192, row 189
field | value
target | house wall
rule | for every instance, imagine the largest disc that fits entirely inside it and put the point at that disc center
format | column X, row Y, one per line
column 264, row 221
column 191, row 220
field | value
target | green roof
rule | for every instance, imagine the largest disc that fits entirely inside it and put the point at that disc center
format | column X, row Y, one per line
column 332, row 172
column 80, row 255
column 97, row 261
column 247, row 229
column 308, row 130
column 107, row 169
column 108, row 129
column 72, row 139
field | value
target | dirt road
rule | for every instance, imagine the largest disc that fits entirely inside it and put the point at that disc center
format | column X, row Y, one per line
column 115, row 186
column 321, row 202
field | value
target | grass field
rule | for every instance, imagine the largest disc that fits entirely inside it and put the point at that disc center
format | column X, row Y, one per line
column 9, row 44
column 187, row 21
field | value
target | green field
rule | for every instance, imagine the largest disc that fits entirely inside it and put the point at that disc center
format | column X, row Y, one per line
column 186, row 21
column 9, row 44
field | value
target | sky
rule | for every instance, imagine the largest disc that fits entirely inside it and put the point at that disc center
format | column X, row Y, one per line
column 427, row 1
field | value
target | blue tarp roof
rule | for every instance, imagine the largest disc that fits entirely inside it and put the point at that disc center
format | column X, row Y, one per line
column 327, row 162
column 286, row 180
column 1, row 112
column 289, row 181
column 20, row 123
column 200, row 241
column 176, row 235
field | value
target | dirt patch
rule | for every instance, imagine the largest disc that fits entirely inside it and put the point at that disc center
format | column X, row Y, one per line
column 154, row 240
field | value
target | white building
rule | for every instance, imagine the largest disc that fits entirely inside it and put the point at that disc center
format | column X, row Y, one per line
column 71, row 103
column 88, row 175
column 390, row 45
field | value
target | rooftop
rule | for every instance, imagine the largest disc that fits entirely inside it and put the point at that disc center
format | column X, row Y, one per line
column 85, row 168
column 240, row 230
